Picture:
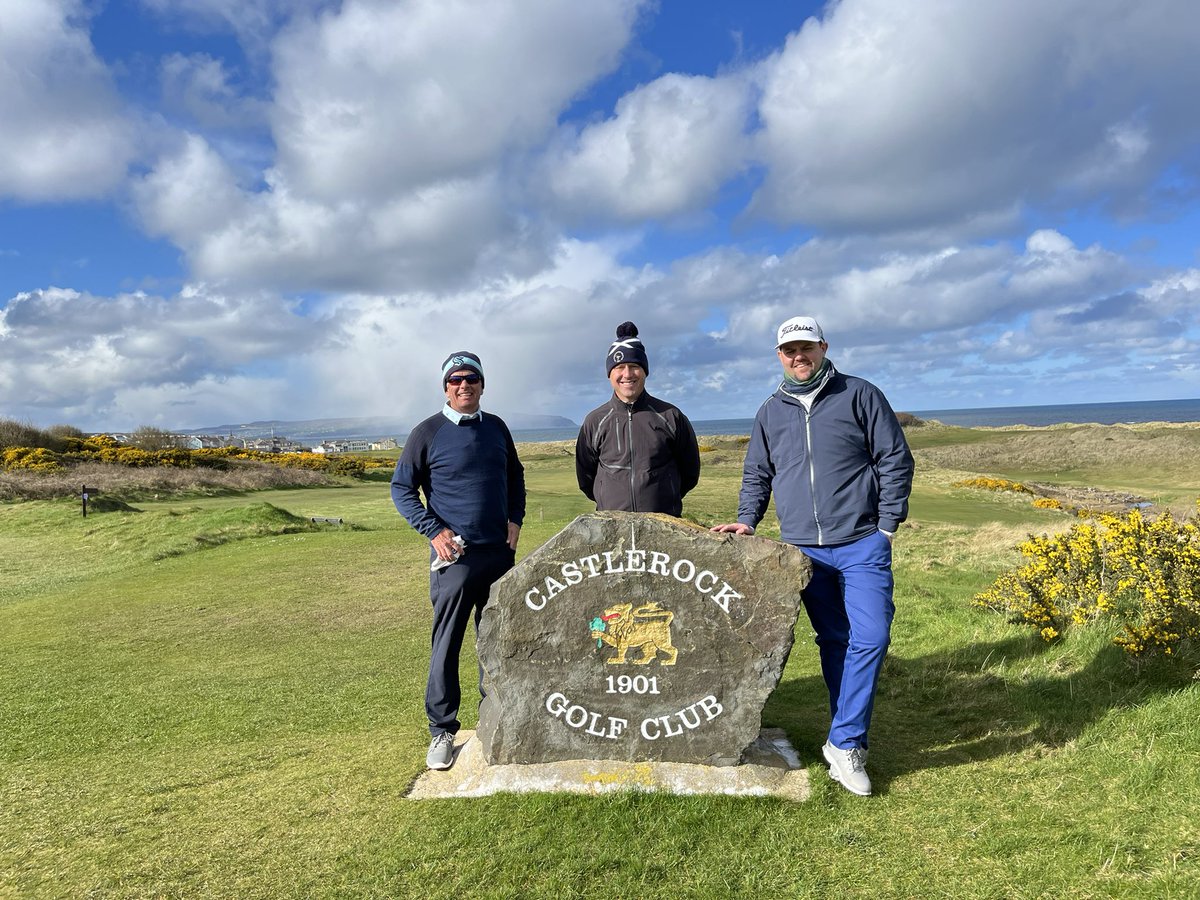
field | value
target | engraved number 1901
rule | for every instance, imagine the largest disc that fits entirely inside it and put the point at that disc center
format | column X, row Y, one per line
column 636, row 684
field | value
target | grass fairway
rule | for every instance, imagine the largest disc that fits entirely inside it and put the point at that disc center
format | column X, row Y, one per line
column 216, row 698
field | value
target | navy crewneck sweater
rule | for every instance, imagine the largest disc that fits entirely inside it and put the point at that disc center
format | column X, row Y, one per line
column 472, row 480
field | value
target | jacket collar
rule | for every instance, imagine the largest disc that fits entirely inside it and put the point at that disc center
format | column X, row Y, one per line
column 792, row 398
column 642, row 402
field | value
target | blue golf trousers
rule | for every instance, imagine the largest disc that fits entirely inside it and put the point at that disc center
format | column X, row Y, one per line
column 849, row 602
column 458, row 593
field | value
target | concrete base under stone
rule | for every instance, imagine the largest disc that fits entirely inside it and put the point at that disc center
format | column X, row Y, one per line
column 772, row 769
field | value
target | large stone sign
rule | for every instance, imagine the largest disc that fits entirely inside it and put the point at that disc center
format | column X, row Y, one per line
column 636, row 637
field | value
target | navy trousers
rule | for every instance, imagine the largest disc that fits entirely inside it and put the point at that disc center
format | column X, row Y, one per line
column 849, row 602
column 458, row 593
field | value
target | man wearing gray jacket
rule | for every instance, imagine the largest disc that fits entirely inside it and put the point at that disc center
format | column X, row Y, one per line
column 830, row 448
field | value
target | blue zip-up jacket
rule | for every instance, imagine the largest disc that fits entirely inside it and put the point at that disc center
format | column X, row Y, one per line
column 469, row 472
column 839, row 471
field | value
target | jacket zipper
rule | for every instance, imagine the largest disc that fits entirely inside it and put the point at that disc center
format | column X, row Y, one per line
column 812, row 475
column 629, row 436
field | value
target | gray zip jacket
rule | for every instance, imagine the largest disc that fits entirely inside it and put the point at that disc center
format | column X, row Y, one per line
column 637, row 457
column 840, row 470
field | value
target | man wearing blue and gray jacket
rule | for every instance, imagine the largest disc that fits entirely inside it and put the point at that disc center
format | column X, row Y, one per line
column 830, row 448
column 465, row 463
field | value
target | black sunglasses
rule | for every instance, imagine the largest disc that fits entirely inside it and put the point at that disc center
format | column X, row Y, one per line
column 459, row 379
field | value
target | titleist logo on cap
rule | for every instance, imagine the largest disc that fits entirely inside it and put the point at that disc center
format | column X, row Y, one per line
column 803, row 328
column 788, row 329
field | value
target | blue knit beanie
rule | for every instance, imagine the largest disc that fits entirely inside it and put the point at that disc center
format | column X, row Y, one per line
column 626, row 349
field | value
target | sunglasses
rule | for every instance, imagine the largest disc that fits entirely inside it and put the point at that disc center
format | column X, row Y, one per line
column 459, row 379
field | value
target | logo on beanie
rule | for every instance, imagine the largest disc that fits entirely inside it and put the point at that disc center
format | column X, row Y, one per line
column 626, row 350
column 462, row 361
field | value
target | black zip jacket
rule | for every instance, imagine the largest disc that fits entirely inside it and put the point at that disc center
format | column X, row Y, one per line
column 639, row 457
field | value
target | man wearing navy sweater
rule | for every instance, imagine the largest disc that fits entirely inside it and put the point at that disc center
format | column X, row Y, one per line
column 465, row 463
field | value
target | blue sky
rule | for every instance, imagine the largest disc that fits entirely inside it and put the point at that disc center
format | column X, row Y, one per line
column 229, row 210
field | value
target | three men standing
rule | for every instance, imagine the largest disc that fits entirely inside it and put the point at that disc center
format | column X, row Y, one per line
column 827, row 445
column 465, row 463
column 830, row 448
column 635, row 453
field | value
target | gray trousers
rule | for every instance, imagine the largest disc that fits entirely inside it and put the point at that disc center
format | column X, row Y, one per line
column 458, row 593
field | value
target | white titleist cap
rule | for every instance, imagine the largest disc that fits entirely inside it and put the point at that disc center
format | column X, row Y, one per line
column 799, row 328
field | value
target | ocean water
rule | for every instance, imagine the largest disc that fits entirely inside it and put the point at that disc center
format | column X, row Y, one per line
column 1080, row 413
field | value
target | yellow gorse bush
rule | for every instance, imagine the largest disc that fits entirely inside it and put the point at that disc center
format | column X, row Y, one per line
column 103, row 448
column 987, row 483
column 1142, row 574
column 1047, row 503
column 30, row 459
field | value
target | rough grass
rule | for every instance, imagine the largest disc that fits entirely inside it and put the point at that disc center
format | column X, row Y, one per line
column 1158, row 462
column 124, row 483
column 1106, row 447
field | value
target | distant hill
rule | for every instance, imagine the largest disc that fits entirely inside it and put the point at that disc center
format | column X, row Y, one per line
column 370, row 428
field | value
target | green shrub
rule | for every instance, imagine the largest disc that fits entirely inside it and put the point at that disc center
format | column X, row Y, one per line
column 317, row 462
column 347, row 465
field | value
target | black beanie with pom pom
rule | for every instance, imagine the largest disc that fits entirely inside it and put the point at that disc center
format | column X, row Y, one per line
column 626, row 349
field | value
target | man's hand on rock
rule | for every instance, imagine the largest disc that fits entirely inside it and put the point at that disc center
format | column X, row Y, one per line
column 734, row 528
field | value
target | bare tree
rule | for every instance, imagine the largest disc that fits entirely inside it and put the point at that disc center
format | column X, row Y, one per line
column 149, row 438
column 20, row 434
column 64, row 437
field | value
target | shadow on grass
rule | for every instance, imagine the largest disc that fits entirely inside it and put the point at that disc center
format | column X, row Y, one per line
column 978, row 702
column 104, row 504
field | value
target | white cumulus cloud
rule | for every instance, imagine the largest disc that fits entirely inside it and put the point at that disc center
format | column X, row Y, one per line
column 394, row 126
column 63, row 132
column 886, row 116
column 667, row 151
column 383, row 97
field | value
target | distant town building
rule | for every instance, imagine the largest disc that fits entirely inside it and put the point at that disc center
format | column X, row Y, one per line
column 274, row 445
column 203, row 441
column 345, row 446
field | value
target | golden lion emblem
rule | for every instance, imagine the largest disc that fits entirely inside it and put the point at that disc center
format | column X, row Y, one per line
column 646, row 629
